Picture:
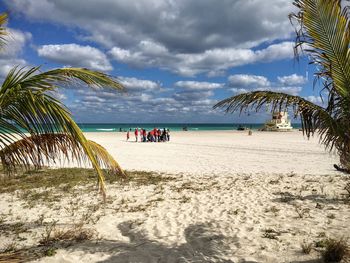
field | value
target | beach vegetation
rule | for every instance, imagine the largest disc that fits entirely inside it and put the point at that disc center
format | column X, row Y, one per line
column 301, row 212
column 35, row 187
column 347, row 189
column 322, row 28
column 272, row 209
column 10, row 247
column 336, row 250
column 306, row 247
column 36, row 129
column 75, row 233
column 270, row 233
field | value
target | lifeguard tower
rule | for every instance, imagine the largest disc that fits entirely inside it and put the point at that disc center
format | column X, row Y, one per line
column 279, row 122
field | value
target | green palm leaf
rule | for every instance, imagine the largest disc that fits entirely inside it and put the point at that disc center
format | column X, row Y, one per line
column 324, row 33
column 28, row 108
column 3, row 31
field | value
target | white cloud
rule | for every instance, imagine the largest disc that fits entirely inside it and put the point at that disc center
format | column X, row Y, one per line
column 190, row 98
column 134, row 84
column 15, row 42
column 248, row 81
column 275, row 52
column 10, row 54
column 198, row 85
column 237, row 91
column 288, row 90
column 76, row 55
column 242, row 83
column 185, row 37
column 186, row 26
column 213, row 62
column 293, row 79
column 7, row 64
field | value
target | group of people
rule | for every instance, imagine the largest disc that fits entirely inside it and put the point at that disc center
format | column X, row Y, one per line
column 155, row 135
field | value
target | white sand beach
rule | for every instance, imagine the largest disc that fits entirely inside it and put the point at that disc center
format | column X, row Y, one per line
column 221, row 153
column 231, row 198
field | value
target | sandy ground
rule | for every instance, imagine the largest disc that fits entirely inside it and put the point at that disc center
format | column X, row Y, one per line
column 221, row 153
column 233, row 198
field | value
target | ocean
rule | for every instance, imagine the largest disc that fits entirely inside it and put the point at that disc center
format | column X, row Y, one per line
column 115, row 127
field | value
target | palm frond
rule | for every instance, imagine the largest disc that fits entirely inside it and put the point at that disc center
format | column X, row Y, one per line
column 27, row 107
column 47, row 149
column 42, row 81
column 105, row 160
column 26, row 104
column 324, row 34
column 3, row 31
column 313, row 117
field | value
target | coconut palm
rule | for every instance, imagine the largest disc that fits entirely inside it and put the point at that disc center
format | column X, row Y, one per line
column 36, row 129
column 323, row 33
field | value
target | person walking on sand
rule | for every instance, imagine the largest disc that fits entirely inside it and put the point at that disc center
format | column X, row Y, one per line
column 127, row 135
column 136, row 134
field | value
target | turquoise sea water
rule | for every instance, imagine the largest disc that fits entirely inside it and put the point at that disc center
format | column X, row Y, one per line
column 115, row 127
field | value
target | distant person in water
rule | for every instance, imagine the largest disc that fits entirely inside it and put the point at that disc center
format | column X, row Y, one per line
column 136, row 134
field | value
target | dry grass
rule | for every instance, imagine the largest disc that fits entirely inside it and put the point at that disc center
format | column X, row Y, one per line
column 336, row 250
column 270, row 233
column 306, row 247
column 62, row 178
column 65, row 179
column 75, row 233
column 347, row 189
column 35, row 187
column 301, row 212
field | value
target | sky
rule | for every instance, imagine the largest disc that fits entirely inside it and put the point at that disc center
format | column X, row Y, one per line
column 176, row 58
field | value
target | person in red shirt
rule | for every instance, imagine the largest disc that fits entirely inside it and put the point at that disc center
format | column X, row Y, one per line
column 152, row 135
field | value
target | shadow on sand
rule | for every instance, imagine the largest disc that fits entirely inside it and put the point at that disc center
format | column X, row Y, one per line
column 202, row 245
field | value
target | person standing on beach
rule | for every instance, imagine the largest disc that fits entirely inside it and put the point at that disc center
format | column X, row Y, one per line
column 163, row 136
column 144, row 135
column 152, row 135
column 128, row 136
column 155, row 134
column 136, row 134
